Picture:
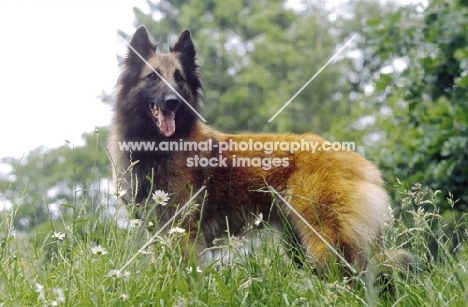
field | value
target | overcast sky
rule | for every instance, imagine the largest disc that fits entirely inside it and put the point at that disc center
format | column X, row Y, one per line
column 56, row 58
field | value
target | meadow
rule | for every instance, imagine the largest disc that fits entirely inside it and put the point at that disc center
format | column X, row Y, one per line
column 94, row 258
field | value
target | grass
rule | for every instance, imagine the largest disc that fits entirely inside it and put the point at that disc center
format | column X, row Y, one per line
column 43, row 268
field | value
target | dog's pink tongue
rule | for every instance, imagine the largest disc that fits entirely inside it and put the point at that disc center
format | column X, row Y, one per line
column 166, row 123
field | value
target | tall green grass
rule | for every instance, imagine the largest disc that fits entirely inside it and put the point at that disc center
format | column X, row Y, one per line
column 43, row 268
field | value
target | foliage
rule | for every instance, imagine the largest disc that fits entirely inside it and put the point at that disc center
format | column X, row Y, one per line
column 412, row 84
column 48, row 182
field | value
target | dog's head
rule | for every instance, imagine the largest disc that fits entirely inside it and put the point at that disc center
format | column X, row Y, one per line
column 160, row 91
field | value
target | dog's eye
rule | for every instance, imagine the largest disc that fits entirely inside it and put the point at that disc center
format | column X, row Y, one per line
column 178, row 77
column 152, row 76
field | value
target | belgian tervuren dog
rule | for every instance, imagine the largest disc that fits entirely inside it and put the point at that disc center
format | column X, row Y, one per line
column 158, row 142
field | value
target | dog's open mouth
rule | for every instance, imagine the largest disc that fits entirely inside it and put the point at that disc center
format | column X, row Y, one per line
column 165, row 119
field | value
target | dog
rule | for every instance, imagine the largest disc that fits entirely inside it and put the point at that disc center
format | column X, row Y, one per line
column 331, row 203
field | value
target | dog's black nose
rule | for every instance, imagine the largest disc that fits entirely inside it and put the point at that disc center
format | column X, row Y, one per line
column 171, row 101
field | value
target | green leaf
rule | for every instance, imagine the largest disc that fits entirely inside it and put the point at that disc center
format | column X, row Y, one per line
column 81, row 221
column 462, row 81
column 384, row 81
column 460, row 54
column 373, row 22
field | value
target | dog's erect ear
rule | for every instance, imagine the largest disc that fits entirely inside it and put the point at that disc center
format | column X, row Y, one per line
column 142, row 44
column 185, row 47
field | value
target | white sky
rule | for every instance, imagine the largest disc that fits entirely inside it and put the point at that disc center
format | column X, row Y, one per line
column 55, row 59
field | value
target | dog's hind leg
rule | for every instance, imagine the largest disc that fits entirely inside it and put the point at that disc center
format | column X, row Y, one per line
column 322, row 238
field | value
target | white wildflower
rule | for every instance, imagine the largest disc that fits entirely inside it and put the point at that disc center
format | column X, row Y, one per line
column 40, row 290
column 161, row 197
column 114, row 274
column 190, row 269
column 181, row 302
column 123, row 297
column 126, row 275
column 59, row 236
column 176, row 230
column 99, row 250
column 59, row 296
column 259, row 219
column 120, row 193
column 135, row 223
column 144, row 252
